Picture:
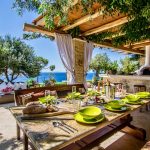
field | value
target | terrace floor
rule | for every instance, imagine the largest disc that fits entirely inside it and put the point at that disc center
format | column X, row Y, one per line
column 8, row 139
column 8, row 127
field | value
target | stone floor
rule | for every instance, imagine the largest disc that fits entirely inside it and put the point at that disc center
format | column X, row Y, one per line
column 8, row 130
column 8, row 127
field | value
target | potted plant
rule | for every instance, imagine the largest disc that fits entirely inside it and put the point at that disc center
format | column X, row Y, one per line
column 48, row 100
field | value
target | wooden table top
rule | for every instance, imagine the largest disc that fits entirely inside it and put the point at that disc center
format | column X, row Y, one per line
column 44, row 136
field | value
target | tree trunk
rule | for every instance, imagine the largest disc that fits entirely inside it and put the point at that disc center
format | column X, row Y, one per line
column 6, row 74
column 97, row 74
column 12, row 79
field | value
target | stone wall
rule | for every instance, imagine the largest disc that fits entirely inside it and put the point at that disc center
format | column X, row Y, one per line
column 79, row 60
column 130, row 80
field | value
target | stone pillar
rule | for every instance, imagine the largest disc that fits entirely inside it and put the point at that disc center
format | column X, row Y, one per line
column 79, row 60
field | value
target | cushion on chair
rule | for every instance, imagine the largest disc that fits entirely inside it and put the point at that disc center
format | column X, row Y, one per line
column 53, row 93
column 36, row 96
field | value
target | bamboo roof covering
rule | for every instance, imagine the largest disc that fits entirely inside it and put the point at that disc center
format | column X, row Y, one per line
column 90, row 24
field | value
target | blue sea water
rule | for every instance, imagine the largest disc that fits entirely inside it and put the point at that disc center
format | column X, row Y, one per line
column 59, row 76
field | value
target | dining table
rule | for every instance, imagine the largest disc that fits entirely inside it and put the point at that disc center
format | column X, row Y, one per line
column 44, row 135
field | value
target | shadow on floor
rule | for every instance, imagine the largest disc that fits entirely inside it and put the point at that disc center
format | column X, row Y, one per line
column 1, row 136
column 7, row 105
column 10, row 144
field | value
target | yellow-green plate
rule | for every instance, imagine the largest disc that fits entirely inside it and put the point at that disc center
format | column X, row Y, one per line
column 90, row 112
column 139, row 102
column 134, row 103
column 143, row 95
column 79, row 118
column 132, row 97
column 108, row 107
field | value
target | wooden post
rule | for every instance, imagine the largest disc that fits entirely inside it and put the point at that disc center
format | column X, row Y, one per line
column 25, row 141
column 18, row 132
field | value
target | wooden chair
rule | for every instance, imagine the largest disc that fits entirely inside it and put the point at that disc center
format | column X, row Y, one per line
column 146, row 146
column 128, row 138
column 139, row 88
column 62, row 91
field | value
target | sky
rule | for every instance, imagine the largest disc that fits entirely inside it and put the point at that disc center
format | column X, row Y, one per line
column 12, row 24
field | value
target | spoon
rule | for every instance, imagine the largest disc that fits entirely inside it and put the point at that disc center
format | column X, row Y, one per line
column 56, row 124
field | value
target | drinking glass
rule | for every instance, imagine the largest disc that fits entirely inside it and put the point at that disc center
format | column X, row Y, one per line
column 74, row 89
column 76, row 105
column 47, row 93
column 54, row 93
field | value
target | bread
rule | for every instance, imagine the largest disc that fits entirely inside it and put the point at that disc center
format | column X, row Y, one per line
column 34, row 109
column 37, row 108
column 51, row 108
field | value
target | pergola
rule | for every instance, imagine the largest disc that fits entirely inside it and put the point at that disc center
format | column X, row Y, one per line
column 89, row 24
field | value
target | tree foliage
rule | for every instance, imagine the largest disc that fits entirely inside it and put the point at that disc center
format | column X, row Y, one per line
column 52, row 67
column 17, row 58
column 100, row 63
column 31, row 36
column 128, row 66
column 136, row 29
column 113, row 66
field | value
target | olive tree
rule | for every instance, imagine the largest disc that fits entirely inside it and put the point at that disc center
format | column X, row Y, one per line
column 18, row 58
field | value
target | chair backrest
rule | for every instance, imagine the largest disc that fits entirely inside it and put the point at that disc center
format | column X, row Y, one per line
column 139, row 88
column 62, row 91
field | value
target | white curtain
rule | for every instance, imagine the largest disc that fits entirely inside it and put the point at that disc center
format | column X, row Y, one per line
column 88, row 49
column 66, row 52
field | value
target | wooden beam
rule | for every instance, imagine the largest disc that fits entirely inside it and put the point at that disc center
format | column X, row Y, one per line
column 82, row 20
column 119, row 49
column 107, row 26
column 40, row 19
column 140, row 45
column 124, row 49
column 33, row 28
column 125, row 53
column 36, row 29
column 40, row 22
column 137, row 43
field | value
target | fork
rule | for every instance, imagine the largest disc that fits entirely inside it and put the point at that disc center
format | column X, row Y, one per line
column 61, row 124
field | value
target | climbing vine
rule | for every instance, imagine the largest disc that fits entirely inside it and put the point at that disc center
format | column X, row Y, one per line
column 30, row 36
column 136, row 29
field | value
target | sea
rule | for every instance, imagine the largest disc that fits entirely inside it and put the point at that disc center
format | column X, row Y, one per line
column 59, row 77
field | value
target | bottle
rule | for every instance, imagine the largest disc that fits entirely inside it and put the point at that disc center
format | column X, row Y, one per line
column 99, row 84
column 103, row 87
column 112, row 91
column 107, row 89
